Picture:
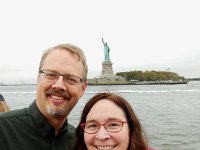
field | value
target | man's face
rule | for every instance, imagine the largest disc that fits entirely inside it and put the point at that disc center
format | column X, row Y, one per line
column 57, row 97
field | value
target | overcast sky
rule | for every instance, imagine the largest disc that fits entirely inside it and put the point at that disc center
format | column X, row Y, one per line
column 142, row 35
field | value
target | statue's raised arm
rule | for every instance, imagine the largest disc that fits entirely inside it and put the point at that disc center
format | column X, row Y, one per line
column 102, row 41
column 106, row 50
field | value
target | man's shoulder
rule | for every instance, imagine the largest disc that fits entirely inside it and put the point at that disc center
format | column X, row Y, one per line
column 70, row 135
column 71, row 127
column 13, row 114
column 70, row 130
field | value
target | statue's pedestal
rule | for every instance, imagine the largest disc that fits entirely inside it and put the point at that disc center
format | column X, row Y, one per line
column 107, row 76
column 107, row 68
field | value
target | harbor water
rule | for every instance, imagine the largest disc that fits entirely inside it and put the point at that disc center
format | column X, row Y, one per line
column 170, row 114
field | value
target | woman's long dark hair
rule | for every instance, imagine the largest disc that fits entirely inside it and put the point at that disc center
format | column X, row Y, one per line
column 137, row 137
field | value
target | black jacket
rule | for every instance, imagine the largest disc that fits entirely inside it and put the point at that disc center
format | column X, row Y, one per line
column 28, row 129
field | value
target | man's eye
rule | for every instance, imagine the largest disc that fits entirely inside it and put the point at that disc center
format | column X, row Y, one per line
column 71, row 80
column 51, row 75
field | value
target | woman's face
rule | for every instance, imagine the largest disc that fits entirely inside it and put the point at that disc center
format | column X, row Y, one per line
column 102, row 112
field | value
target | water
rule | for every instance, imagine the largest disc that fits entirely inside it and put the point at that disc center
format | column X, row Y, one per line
column 170, row 114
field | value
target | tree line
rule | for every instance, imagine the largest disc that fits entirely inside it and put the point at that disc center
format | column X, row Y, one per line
column 150, row 75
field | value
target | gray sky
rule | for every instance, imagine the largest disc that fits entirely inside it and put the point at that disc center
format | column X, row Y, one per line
column 142, row 35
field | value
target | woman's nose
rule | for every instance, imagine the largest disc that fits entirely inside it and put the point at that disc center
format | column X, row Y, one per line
column 102, row 134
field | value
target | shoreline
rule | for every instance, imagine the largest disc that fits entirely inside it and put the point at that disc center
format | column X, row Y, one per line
column 142, row 83
column 129, row 83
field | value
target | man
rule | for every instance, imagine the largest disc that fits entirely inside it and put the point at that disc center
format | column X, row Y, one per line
column 43, row 125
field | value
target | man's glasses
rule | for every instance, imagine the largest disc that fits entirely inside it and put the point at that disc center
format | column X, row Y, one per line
column 111, row 126
column 67, row 78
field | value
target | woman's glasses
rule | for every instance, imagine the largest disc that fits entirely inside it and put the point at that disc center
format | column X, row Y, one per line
column 111, row 126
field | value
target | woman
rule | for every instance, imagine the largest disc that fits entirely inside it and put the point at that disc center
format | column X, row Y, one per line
column 109, row 122
column 3, row 105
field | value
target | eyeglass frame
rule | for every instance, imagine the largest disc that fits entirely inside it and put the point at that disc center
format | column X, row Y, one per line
column 104, row 125
column 65, row 76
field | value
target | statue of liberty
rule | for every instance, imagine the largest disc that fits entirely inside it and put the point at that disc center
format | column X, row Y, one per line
column 106, row 51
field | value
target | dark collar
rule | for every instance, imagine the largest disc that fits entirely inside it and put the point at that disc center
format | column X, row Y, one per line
column 45, row 128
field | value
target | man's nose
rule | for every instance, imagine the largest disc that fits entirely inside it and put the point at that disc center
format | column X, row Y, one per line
column 59, row 83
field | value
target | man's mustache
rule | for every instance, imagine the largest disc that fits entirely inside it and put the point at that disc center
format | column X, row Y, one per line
column 58, row 92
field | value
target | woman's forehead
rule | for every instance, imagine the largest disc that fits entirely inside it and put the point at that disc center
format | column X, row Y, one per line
column 106, row 110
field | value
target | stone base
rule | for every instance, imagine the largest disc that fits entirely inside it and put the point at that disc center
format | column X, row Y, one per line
column 107, row 76
column 107, row 80
column 107, row 68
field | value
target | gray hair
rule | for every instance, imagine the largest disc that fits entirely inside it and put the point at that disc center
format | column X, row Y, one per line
column 71, row 48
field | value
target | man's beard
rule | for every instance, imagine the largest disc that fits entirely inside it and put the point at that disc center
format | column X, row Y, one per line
column 52, row 110
column 55, row 112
